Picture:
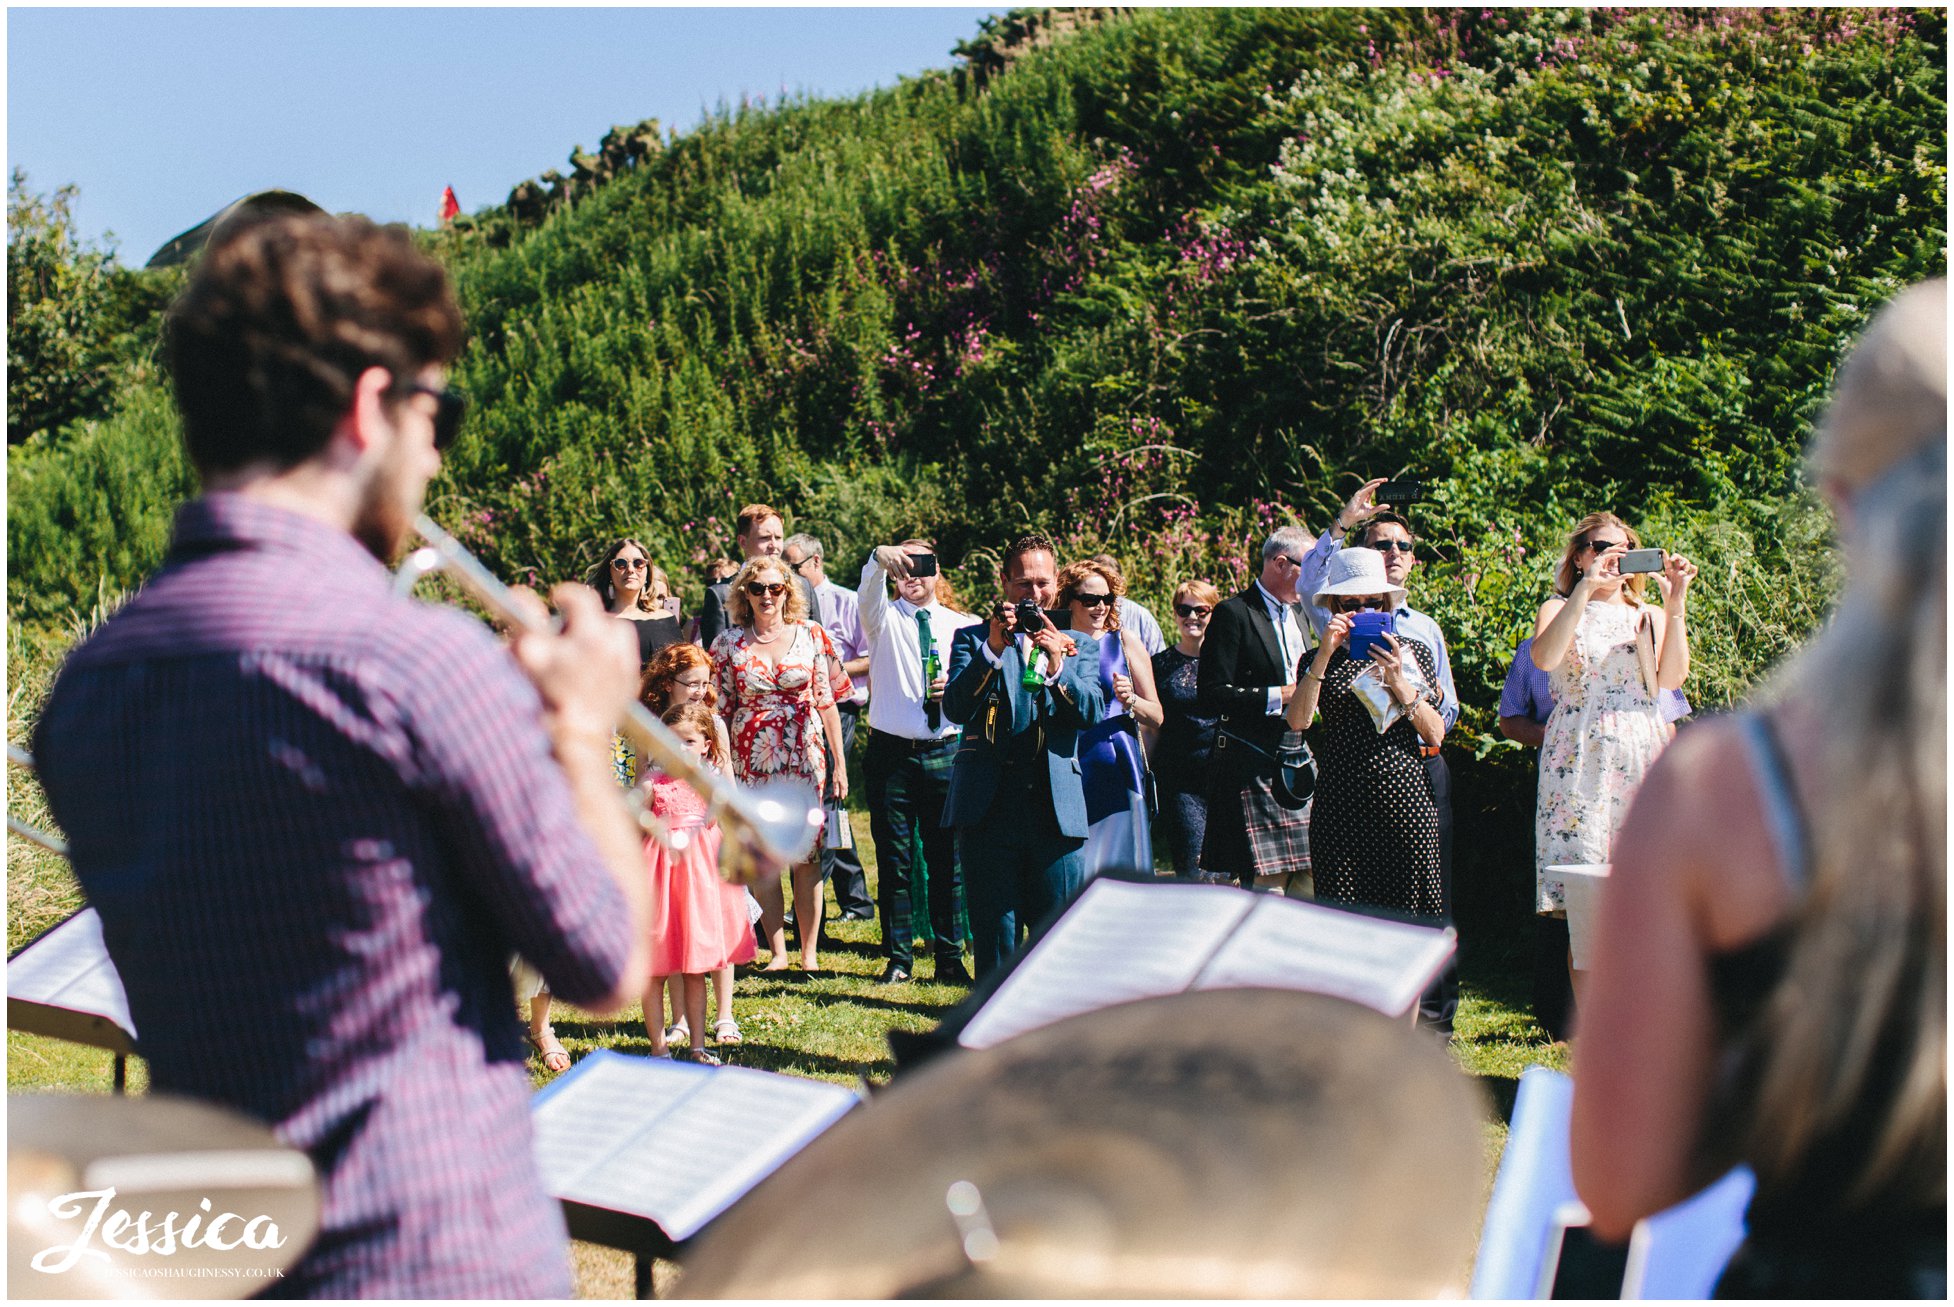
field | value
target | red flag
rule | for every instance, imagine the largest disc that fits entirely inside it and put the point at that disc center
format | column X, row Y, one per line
column 450, row 206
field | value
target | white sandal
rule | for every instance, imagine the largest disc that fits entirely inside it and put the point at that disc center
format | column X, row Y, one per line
column 726, row 1031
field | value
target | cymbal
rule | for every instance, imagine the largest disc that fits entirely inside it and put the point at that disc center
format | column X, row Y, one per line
column 113, row 1197
column 1229, row 1143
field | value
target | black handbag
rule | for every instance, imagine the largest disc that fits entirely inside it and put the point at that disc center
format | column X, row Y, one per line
column 1295, row 767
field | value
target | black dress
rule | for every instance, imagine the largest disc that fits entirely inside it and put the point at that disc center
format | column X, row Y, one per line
column 1180, row 759
column 1373, row 835
column 654, row 633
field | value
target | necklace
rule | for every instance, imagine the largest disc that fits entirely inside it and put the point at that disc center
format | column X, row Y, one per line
column 767, row 639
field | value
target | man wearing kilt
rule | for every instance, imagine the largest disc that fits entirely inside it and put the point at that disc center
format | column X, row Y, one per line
column 1256, row 641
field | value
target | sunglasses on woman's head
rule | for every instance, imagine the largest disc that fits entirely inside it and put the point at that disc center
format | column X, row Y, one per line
column 1092, row 601
column 1192, row 610
column 1358, row 603
column 627, row 564
column 758, row 588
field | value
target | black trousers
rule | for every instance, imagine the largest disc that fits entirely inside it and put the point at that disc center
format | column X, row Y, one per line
column 906, row 789
column 1441, row 1002
column 842, row 868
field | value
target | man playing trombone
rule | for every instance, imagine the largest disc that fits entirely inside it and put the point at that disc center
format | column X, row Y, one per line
column 316, row 818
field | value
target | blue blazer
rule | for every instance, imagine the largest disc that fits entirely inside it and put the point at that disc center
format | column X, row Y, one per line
column 991, row 704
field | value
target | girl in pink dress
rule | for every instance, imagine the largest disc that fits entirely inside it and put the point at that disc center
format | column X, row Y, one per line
column 698, row 921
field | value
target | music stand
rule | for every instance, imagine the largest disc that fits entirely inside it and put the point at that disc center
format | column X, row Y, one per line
column 61, row 984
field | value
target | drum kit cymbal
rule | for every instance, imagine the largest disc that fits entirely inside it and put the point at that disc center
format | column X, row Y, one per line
column 1221, row 1144
column 152, row 1197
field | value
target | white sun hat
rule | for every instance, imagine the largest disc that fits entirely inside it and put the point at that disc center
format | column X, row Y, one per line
column 1357, row 571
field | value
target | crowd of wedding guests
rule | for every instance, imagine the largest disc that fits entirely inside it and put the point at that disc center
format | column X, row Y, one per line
column 1289, row 740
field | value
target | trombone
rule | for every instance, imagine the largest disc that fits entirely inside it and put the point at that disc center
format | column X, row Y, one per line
column 764, row 827
column 19, row 757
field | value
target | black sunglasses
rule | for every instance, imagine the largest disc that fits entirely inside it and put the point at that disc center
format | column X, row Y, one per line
column 449, row 405
column 1193, row 610
column 1393, row 546
column 1358, row 603
column 1092, row 601
column 758, row 588
column 1600, row 546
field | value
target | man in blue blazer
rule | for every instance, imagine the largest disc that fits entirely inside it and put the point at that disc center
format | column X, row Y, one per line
column 1015, row 798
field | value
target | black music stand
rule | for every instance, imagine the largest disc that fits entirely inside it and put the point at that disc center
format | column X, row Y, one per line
column 61, row 984
column 643, row 1153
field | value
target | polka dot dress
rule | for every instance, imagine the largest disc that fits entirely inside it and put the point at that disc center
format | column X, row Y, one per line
column 1374, row 832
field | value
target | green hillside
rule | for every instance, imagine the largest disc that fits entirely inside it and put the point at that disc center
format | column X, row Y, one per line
column 1174, row 277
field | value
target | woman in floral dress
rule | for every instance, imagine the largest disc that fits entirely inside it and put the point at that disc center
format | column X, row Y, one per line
column 1608, row 653
column 778, row 677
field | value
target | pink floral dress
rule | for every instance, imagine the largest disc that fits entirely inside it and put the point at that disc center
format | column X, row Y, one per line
column 774, row 712
column 698, row 921
column 1605, row 732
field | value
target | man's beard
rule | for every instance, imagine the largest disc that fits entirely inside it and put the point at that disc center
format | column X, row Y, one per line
column 382, row 521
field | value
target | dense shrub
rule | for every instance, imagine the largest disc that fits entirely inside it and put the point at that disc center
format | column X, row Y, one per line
column 1179, row 276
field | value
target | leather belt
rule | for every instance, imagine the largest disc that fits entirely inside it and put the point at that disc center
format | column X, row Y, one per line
column 1428, row 750
column 906, row 745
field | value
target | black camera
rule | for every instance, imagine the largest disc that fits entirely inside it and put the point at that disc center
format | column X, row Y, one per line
column 1031, row 618
column 1410, row 490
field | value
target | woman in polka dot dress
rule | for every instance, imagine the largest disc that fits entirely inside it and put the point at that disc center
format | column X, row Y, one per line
column 1374, row 831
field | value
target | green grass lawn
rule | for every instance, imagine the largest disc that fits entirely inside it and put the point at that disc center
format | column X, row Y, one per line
column 832, row 1027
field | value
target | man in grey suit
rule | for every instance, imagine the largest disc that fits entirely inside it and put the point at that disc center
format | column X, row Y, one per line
column 1016, row 799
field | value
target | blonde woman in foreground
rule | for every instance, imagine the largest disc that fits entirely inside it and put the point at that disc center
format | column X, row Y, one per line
column 1769, row 984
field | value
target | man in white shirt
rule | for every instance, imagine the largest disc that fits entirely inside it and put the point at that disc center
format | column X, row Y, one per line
column 911, row 747
column 836, row 609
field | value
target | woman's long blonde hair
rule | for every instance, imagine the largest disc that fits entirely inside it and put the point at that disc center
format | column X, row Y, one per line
column 1632, row 586
column 1861, row 1013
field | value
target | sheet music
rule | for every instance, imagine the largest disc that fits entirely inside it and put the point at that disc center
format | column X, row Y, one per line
column 1289, row 944
column 69, row 967
column 1118, row 942
column 676, row 1144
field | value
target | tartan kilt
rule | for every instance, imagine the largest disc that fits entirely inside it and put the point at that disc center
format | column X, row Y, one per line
column 1250, row 834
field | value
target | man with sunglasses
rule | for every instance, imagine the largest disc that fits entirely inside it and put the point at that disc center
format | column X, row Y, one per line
column 1255, row 644
column 339, row 812
column 1376, row 527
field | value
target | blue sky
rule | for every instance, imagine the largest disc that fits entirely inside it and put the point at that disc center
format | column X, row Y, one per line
column 162, row 116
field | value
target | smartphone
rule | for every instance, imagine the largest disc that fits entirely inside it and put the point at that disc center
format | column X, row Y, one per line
column 922, row 564
column 1408, row 491
column 1641, row 560
column 1367, row 630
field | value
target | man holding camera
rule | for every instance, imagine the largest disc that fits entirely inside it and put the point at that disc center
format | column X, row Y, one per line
column 1378, row 527
column 1255, row 643
column 910, row 747
column 1022, row 690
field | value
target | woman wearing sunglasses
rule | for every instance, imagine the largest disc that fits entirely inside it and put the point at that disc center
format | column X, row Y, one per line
column 1111, row 762
column 1373, row 835
column 1180, row 752
column 636, row 590
column 1607, row 655
column 778, row 677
